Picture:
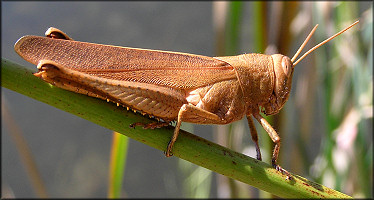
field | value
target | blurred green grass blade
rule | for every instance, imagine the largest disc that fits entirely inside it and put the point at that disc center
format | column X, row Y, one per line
column 233, row 27
column 259, row 29
column 325, row 87
column 365, row 142
column 117, row 165
column 197, row 181
column 24, row 151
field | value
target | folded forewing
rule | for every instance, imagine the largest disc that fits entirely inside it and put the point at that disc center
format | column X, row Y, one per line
column 172, row 69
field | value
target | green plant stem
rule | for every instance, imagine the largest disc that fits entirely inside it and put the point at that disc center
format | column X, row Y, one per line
column 188, row 146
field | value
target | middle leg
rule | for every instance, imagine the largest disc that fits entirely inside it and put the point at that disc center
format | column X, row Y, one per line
column 253, row 131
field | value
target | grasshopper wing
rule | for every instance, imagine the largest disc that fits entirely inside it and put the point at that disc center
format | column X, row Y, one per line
column 163, row 68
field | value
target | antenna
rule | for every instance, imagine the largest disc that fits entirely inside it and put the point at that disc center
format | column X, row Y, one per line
column 318, row 45
column 304, row 43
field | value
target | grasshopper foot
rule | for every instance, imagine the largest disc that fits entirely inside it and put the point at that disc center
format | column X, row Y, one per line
column 152, row 125
column 258, row 153
column 283, row 171
column 168, row 152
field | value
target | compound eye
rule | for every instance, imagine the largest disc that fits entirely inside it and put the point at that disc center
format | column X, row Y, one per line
column 287, row 66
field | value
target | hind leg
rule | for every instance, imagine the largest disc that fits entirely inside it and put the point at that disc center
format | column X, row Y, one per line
column 193, row 114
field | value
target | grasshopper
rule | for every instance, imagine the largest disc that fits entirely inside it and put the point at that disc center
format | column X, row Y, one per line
column 170, row 86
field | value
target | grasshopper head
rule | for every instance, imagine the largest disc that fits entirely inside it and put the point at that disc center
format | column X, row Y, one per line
column 283, row 70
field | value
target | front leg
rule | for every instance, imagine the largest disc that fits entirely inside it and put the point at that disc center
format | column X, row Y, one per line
column 276, row 139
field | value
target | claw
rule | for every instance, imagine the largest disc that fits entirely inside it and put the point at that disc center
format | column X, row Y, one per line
column 136, row 124
column 283, row 171
column 168, row 152
column 258, row 153
column 152, row 125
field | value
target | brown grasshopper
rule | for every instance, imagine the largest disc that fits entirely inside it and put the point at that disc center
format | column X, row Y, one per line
column 167, row 85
